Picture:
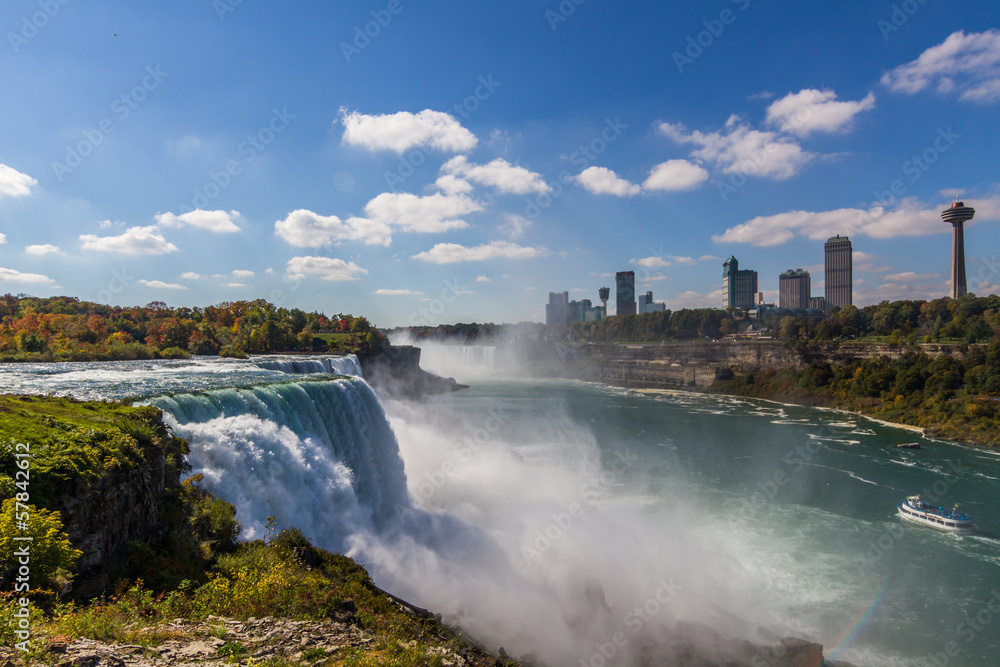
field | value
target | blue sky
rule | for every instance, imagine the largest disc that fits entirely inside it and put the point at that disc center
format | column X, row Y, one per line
column 424, row 162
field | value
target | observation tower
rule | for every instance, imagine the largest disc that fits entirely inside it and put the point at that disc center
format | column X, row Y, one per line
column 956, row 216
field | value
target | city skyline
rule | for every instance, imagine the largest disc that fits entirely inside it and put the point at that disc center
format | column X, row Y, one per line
column 420, row 164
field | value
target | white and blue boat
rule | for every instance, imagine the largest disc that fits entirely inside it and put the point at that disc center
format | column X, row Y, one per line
column 917, row 510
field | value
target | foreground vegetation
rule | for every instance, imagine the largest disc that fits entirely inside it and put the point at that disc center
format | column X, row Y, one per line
column 190, row 566
column 67, row 329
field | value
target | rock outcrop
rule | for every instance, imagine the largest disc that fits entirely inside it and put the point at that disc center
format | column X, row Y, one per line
column 396, row 371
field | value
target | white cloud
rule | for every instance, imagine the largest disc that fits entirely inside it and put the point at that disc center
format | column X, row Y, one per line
column 135, row 241
column 687, row 261
column 910, row 276
column 305, row 229
column 675, row 175
column 969, row 64
column 739, row 149
column 453, row 185
column 46, row 249
column 483, row 279
column 243, row 273
column 402, row 131
column 909, row 218
column 3, row 239
column 691, row 299
column 234, row 285
column 432, row 214
column 13, row 183
column 190, row 275
column 397, row 292
column 498, row 174
column 986, row 289
column 709, row 258
column 159, row 284
column 514, row 225
column 220, row 222
column 811, row 110
column 14, row 276
column 650, row 262
column 324, row 268
column 603, row 181
column 449, row 253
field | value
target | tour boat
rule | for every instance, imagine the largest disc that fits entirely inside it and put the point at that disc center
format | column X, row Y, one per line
column 918, row 511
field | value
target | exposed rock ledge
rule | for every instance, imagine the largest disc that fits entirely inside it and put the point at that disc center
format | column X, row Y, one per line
column 222, row 642
column 397, row 372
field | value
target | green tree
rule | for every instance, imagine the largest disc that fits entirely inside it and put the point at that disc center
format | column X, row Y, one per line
column 50, row 553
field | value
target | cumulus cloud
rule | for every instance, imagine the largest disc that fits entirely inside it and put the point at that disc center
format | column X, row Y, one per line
column 453, row 185
column 909, row 218
column 431, row 214
column 220, row 222
column 650, row 262
column 811, row 110
column 964, row 65
column 305, row 229
column 603, row 181
column 44, row 249
column 499, row 174
column 243, row 273
column 450, row 253
column 233, row 285
column 159, row 284
column 135, row 241
column 324, row 268
column 190, row 275
column 397, row 292
column 3, row 239
column 14, row 276
column 739, row 149
column 15, row 184
column 483, row 279
column 402, row 131
column 675, row 175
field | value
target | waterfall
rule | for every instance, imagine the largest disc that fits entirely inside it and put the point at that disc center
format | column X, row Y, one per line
column 346, row 365
column 317, row 455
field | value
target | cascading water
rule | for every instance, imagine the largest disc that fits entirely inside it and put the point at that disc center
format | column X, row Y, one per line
column 346, row 365
column 318, row 455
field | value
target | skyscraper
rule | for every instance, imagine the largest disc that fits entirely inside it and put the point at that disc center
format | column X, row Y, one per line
column 739, row 287
column 794, row 288
column 556, row 310
column 839, row 276
column 625, row 293
column 956, row 216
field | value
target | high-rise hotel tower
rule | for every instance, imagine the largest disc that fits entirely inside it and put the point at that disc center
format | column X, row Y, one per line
column 956, row 216
column 839, row 276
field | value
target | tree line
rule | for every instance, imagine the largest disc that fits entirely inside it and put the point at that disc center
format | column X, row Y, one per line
column 66, row 329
